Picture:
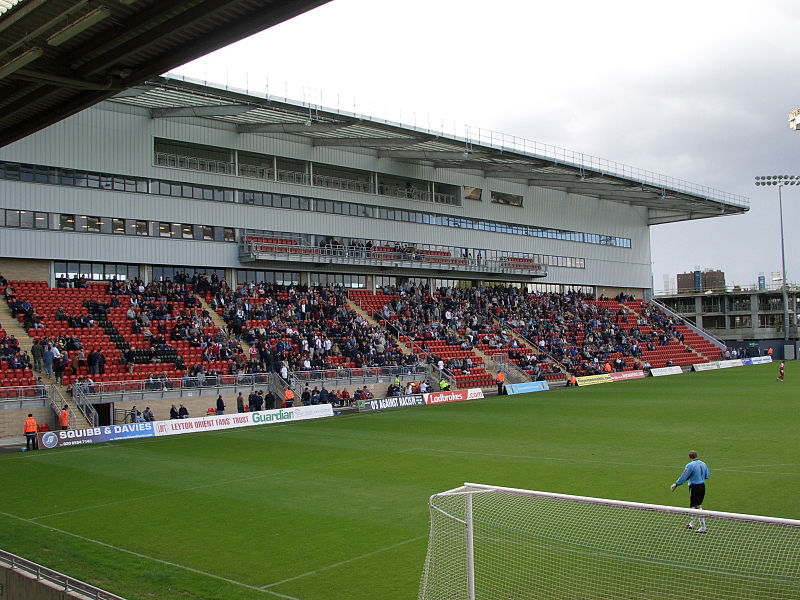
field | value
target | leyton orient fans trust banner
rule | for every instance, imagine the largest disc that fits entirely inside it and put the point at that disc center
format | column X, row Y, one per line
column 128, row 431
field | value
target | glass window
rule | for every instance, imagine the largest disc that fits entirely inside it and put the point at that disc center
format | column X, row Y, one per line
column 142, row 228
column 93, row 224
column 165, row 229
column 208, row 233
column 230, row 234
column 118, row 226
column 66, row 222
column 40, row 220
column 187, row 232
column 12, row 218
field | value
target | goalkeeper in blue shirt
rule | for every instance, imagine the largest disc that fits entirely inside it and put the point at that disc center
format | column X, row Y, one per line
column 696, row 473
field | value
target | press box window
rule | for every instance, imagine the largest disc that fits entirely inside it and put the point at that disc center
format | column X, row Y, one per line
column 141, row 228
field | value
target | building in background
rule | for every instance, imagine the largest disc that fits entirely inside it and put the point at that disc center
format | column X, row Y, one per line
column 701, row 281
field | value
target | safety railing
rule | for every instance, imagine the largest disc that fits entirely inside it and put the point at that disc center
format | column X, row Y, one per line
column 409, row 258
column 512, row 372
column 361, row 376
column 692, row 327
column 256, row 172
column 54, row 578
column 294, row 177
column 23, row 392
column 339, row 183
column 80, row 394
column 193, row 163
column 151, row 389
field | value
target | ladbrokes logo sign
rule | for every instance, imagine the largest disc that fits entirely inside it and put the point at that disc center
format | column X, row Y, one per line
column 453, row 396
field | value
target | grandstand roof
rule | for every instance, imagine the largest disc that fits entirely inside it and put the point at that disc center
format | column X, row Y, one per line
column 483, row 152
column 58, row 57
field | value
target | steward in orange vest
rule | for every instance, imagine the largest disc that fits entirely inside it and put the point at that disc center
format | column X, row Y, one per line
column 30, row 433
column 500, row 380
column 63, row 418
column 288, row 398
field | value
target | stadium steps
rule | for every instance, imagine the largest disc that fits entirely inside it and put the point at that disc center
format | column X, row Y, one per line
column 702, row 358
column 14, row 327
column 220, row 322
column 533, row 348
column 351, row 305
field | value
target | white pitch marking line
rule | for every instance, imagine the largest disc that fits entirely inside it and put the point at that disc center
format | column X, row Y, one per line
column 146, row 557
column 742, row 469
column 344, row 562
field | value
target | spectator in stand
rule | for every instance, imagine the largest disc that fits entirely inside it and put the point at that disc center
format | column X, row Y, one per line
column 173, row 413
column 183, row 413
column 221, row 404
column 147, row 415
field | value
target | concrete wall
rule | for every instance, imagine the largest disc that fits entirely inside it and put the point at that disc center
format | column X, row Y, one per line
column 15, row 585
column 24, row 268
column 13, row 420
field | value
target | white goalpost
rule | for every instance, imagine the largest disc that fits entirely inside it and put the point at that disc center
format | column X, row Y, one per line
column 489, row 542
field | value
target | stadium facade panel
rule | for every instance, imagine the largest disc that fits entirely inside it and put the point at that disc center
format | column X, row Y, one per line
column 123, row 183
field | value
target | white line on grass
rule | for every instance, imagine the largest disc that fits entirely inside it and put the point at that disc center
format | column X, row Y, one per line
column 150, row 558
column 550, row 458
column 344, row 562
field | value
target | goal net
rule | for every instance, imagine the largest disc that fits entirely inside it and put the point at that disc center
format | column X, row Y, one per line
column 490, row 542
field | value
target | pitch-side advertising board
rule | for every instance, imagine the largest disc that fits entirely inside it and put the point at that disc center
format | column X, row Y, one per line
column 264, row 417
column 453, row 396
column 666, row 371
column 711, row 366
column 524, row 388
column 593, row 379
column 625, row 376
column 391, row 403
column 113, row 433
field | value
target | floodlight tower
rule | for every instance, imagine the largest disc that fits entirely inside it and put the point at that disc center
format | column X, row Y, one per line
column 794, row 119
column 780, row 181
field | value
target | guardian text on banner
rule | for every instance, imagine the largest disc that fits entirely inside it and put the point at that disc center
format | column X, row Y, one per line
column 264, row 417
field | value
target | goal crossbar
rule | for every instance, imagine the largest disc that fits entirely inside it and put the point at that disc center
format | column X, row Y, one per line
column 491, row 541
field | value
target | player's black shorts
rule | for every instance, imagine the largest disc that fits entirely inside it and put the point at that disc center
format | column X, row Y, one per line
column 696, row 494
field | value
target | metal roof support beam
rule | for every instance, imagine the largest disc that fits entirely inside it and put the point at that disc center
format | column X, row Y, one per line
column 365, row 141
column 289, row 127
column 431, row 155
column 219, row 110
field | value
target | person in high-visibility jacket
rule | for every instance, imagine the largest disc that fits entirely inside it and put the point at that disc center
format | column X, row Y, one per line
column 63, row 418
column 501, row 379
column 288, row 398
column 30, row 432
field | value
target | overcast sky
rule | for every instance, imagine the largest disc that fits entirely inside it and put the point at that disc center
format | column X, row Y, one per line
column 697, row 90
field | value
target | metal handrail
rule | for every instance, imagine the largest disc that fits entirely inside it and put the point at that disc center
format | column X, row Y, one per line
column 706, row 336
column 193, row 163
column 381, row 257
column 339, row 183
column 256, row 172
column 348, row 376
column 535, row 347
column 23, row 392
column 79, row 395
column 54, row 578
column 511, row 371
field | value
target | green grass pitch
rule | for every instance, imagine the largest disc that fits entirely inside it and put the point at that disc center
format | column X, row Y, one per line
column 337, row 509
